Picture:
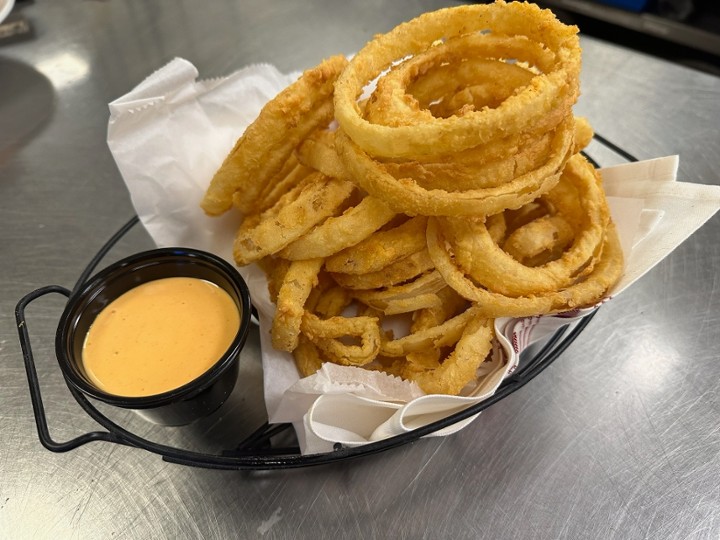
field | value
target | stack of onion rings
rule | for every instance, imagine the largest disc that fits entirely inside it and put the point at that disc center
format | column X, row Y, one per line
column 454, row 194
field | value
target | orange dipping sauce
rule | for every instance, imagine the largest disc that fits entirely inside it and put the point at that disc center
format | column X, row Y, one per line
column 159, row 336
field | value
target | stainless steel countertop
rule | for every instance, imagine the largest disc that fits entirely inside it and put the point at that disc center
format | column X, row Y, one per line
column 619, row 438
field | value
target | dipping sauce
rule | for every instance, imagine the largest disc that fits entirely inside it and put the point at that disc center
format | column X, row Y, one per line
column 159, row 336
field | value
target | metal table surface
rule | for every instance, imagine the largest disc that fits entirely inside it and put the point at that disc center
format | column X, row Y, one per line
column 619, row 438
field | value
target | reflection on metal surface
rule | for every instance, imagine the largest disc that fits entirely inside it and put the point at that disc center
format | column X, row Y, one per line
column 660, row 368
column 64, row 69
column 26, row 104
column 14, row 28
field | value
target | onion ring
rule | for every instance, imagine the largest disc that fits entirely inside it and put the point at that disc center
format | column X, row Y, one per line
column 482, row 259
column 337, row 233
column 268, row 142
column 295, row 213
column 300, row 278
column 583, row 294
column 425, row 320
column 448, row 67
column 307, row 357
column 459, row 368
column 407, row 196
column 442, row 335
column 381, row 249
column 398, row 272
column 540, row 241
column 326, row 334
column 417, row 294
column 519, row 111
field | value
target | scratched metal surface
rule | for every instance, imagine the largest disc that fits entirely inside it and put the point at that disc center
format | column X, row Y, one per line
column 620, row 438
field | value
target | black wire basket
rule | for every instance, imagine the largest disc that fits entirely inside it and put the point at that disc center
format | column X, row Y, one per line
column 258, row 451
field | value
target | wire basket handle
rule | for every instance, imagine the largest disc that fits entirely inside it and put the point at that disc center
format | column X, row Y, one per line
column 35, row 394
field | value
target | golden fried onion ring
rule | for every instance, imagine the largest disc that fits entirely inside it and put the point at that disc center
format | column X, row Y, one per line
column 582, row 294
column 381, row 249
column 298, row 281
column 440, row 74
column 405, row 195
column 460, row 367
column 518, row 113
column 486, row 262
column 296, row 212
column 261, row 152
column 326, row 334
column 400, row 271
column 337, row 233
column 417, row 294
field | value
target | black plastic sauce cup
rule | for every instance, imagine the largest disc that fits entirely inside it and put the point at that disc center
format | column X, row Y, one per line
column 185, row 404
